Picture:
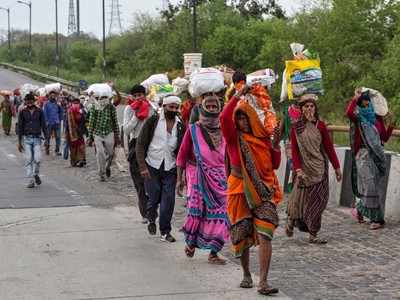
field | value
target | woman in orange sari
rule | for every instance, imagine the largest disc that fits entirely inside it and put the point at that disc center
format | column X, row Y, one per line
column 253, row 188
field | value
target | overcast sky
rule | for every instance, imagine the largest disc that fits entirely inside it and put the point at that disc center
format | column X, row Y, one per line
column 43, row 13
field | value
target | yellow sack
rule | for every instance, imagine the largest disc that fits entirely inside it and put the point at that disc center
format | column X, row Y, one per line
column 303, row 77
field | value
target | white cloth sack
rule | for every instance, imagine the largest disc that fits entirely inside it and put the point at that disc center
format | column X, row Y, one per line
column 100, row 90
column 206, row 80
column 156, row 79
column 27, row 88
column 53, row 87
column 378, row 101
column 180, row 85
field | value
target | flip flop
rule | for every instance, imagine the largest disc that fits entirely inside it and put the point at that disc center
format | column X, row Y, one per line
column 216, row 260
column 288, row 230
column 317, row 240
column 189, row 251
column 247, row 283
column 266, row 291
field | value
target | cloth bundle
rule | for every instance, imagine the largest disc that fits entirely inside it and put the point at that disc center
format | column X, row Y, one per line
column 206, row 80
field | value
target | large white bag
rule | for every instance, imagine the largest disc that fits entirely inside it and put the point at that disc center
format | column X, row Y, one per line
column 100, row 90
column 180, row 85
column 157, row 79
column 378, row 101
column 265, row 77
column 206, row 80
column 27, row 88
column 53, row 87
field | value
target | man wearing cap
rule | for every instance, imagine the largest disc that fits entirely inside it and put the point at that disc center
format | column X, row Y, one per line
column 156, row 151
column 53, row 114
column 104, row 132
column 136, row 113
column 31, row 124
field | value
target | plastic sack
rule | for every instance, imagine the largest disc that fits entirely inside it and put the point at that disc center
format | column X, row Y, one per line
column 156, row 79
column 27, row 88
column 53, row 87
column 100, row 90
column 180, row 85
column 41, row 92
column 303, row 77
column 265, row 77
column 206, row 80
column 378, row 101
column 157, row 94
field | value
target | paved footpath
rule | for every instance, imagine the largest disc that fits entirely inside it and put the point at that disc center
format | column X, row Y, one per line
column 97, row 253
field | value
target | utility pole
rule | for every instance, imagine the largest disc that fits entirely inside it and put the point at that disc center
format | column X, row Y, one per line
column 29, row 4
column 78, row 18
column 104, row 40
column 57, row 50
column 9, row 28
column 194, row 2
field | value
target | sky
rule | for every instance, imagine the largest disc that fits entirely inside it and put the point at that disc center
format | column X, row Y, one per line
column 43, row 13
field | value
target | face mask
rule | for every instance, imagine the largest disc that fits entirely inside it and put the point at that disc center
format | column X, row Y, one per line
column 170, row 115
column 76, row 106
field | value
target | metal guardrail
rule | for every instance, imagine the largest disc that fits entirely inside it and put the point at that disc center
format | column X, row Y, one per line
column 74, row 86
column 39, row 75
column 346, row 129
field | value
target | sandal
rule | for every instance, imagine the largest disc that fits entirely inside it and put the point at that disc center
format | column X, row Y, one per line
column 267, row 290
column 375, row 226
column 247, row 283
column 216, row 260
column 289, row 230
column 316, row 240
column 189, row 251
column 357, row 216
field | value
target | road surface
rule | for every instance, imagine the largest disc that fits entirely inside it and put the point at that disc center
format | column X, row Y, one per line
column 76, row 238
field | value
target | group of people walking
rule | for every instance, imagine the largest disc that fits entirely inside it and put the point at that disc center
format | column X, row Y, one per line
column 223, row 157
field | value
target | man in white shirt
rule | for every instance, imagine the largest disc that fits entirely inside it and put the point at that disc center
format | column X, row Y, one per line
column 135, row 114
column 156, row 150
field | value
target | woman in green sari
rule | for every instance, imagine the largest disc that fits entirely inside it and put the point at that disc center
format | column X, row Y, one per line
column 6, row 116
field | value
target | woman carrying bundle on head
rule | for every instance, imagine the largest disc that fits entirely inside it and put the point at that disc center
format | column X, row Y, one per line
column 203, row 149
column 311, row 149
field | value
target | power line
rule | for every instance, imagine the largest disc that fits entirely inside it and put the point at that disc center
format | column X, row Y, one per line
column 115, row 18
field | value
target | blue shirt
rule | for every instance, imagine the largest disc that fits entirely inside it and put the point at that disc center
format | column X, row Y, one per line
column 53, row 113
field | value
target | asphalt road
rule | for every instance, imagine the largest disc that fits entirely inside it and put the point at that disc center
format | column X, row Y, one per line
column 62, row 186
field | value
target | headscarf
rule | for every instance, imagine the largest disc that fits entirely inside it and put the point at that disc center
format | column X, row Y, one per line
column 141, row 107
column 209, row 123
column 366, row 114
column 257, row 128
column 172, row 100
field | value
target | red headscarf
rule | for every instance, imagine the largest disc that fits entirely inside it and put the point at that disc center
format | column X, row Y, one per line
column 141, row 107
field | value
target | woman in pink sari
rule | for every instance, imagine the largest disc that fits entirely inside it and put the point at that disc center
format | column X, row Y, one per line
column 202, row 154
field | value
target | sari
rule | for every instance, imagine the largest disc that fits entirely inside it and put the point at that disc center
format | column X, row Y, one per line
column 6, row 109
column 253, row 190
column 75, row 136
column 206, row 224
column 310, row 194
column 368, row 169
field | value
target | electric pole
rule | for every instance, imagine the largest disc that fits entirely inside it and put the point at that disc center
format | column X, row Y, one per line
column 71, row 18
column 78, row 18
column 9, row 28
column 115, row 18
column 29, row 4
column 57, row 50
